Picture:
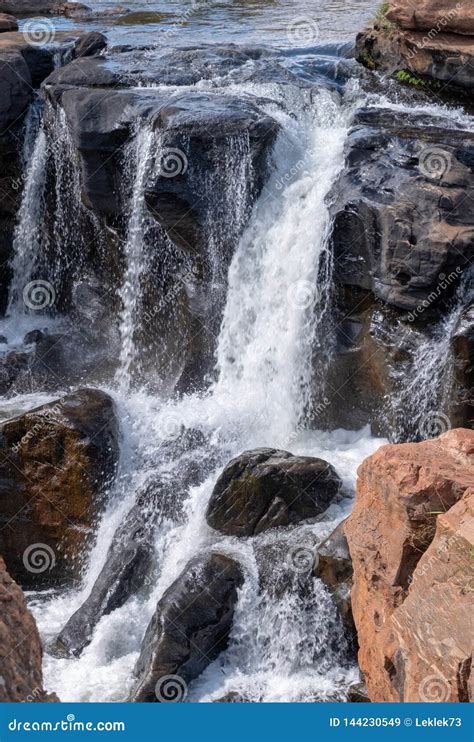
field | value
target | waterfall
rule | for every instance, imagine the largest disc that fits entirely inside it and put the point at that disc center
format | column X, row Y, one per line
column 421, row 405
column 29, row 232
column 263, row 366
column 138, row 158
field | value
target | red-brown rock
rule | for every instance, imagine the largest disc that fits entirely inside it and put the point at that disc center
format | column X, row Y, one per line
column 433, row 15
column 8, row 23
column 20, row 646
column 411, row 537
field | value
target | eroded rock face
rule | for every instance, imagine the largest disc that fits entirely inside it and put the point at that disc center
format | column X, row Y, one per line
column 190, row 627
column 8, row 23
column 433, row 14
column 403, row 243
column 21, row 652
column 267, row 488
column 56, row 463
column 433, row 42
column 410, row 538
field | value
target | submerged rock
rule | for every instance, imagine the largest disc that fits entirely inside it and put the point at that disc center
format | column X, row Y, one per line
column 267, row 488
column 410, row 537
column 189, row 629
column 56, row 463
column 20, row 647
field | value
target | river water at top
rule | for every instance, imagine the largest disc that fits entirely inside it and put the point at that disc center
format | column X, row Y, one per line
column 281, row 23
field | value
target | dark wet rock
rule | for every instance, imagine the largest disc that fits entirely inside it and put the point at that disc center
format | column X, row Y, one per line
column 267, row 488
column 461, row 411
column 20, row 647
column 130, row 564
column 358, row 693
column 90, row 44
column 233, row 697
column 3, row 340
column 34, row 336
column 8, row 23
column 56, row 464
column 334, row 567
column 28, row 7
column 190, row 627
column 126, row 570
column 399, row 230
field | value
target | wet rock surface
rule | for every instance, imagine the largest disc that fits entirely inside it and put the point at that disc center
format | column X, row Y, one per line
column 409, row 536
column 334, row 567
column 189, row 629
column 267, row 488
column 56, row 463
column 20, row 647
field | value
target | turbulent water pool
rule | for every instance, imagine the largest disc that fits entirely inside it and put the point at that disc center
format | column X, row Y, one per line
column 269, row 306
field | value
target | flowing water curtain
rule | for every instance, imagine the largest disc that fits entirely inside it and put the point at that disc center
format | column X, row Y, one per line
column 137, row 164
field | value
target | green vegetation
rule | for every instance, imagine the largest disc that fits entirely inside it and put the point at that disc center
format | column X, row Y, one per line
column 382, row 21
column 409, row 78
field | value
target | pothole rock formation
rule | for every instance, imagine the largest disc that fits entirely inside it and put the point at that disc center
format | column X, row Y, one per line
column 56, row 463
column 411, row 538
column 267, row 488
column 432, row 43
column 20, row 647
column 189, row 629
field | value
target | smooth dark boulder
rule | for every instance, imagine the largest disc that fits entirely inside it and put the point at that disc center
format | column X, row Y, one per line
column 56, row 463
column 267, row 488
column 190, row 627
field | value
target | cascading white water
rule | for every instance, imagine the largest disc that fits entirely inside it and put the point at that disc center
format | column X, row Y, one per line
column 283, row 647
column 29, row 233
column 138, row 159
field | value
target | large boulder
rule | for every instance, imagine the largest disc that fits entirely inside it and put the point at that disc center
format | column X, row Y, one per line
column 410, row 537
column 29, row 7
column 21, row 652
column 56, row 463
column 189, row 629
column 266, row 488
